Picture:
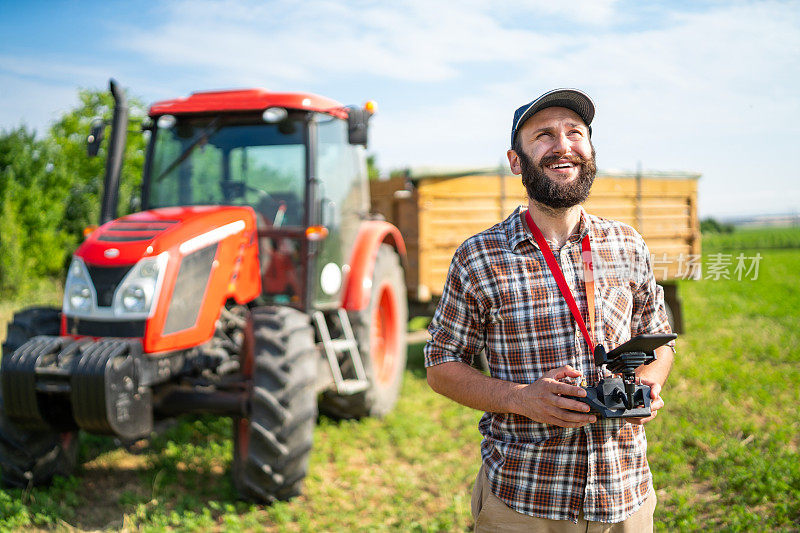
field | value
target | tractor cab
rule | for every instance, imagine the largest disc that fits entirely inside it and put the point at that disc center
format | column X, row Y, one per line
column 296, row 159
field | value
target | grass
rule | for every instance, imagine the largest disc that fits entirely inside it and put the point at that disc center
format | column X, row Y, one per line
column 405, row 472
column 742, row 239
column 724, row 452
column 727, row 454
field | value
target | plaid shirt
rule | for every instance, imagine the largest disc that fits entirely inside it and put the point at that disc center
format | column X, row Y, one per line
column 500, row 295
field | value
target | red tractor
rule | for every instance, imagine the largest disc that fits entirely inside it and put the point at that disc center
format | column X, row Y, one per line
column 253, row 284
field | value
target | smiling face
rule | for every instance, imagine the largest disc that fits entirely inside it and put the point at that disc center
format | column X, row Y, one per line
column 555, row 157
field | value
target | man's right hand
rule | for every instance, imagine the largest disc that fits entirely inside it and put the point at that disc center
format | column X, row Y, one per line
column 547, row 400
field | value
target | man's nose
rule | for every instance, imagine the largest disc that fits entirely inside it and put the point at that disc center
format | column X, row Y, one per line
column 562, row 145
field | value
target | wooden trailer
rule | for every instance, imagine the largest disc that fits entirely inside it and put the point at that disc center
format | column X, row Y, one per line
column 436, row 211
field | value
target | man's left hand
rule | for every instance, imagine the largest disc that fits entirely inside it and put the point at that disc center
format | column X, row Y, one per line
column 656, row 402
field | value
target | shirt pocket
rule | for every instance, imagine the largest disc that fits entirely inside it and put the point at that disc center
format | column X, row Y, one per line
column 519, row 304
column 517, row 294
column 616, row 299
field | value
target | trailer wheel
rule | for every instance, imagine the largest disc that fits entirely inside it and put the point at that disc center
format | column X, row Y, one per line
column 381, row 333
column 272, row 446
column 32, row 458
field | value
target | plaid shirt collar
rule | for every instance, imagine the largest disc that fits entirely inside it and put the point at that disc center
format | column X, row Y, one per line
column 517, row 230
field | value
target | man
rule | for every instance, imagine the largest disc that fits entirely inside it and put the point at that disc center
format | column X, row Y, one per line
column 547, row 464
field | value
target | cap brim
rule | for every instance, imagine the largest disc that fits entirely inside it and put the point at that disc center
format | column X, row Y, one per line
column 573, row 99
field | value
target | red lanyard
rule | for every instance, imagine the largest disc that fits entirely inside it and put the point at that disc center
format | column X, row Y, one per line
column 588, row 278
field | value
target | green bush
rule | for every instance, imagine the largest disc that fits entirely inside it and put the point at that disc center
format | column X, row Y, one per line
column 50, row 191
column 711, row 225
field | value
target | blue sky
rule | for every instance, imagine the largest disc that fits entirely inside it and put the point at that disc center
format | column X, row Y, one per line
column 706, row 86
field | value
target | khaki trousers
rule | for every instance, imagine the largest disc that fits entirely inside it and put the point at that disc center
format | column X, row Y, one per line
column 492, row 514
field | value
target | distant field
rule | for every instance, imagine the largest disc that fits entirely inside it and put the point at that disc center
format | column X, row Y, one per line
column 724, row 452
column 752, row 239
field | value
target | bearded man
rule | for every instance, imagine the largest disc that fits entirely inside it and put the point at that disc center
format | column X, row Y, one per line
column 547, row 463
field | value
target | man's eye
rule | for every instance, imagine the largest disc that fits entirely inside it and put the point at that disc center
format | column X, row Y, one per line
column 576, row 133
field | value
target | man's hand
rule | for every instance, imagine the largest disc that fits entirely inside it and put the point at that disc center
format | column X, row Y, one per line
column 656, row 402
column 547, row 400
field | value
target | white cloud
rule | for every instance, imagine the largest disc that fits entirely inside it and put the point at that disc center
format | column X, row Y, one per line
column 51, row 70
column 709, row 89
column 593, row 12
column 712, row 92
column 32, row 103
column 414, row 40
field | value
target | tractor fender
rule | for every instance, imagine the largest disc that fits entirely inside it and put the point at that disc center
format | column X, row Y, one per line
column 358, row 282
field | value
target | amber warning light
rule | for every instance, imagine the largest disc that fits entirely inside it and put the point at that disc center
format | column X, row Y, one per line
column 371, row 107
column 316, row 233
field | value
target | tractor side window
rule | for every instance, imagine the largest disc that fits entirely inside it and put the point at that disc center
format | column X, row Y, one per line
column 340, row 169
column 342, row 198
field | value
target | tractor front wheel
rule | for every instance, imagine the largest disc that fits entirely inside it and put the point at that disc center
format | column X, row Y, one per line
column 272, row 446
column 33, row 457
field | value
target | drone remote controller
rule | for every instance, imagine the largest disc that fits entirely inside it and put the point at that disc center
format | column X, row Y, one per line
column 622, row 397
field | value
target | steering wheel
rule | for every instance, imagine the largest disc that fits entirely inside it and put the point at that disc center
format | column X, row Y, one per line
column 238, row 189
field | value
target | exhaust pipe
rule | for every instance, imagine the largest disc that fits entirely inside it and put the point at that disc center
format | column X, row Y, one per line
column 116, row 152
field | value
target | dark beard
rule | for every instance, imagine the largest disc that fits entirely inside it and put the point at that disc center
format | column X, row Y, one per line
column 557, row 195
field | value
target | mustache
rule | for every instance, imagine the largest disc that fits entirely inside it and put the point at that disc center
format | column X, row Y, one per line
column 575, row 159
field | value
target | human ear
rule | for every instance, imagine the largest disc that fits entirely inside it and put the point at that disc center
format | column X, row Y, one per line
column 513, row 162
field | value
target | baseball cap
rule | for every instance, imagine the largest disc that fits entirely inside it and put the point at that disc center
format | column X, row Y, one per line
column 573, row 99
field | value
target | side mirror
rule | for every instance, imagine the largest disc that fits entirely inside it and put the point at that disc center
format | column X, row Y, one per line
column 148, row 124
column 95, row 137
column 357, row 126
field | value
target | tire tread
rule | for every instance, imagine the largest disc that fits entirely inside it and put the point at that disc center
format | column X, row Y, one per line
column 283, row 408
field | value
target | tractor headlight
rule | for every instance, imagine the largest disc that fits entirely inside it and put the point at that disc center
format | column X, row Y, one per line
column 134, row 299
column 138, row 292
column 79, row 296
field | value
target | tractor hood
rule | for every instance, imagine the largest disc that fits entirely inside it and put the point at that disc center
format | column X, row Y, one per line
column 178, row 229
column 162, row 275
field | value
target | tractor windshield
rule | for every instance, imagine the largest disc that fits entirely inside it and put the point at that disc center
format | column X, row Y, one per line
column 230, row 161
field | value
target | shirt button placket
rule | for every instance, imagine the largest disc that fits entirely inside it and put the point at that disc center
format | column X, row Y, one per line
column 572, row 283
column 591, row 471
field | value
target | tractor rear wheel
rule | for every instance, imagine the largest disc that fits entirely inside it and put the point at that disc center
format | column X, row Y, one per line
column 380, row 330
column 272, row 446
column 33, row 457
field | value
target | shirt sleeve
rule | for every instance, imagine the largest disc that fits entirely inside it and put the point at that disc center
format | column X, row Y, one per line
column 649, row 310
column 456, row 329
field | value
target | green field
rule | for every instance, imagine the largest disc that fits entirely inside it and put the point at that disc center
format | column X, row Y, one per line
column 724, row 451
column 745, row 239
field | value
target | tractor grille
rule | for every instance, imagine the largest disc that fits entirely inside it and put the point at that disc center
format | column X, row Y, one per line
column 105, row 328
column 130, row 231
column 106, row 280
column 190, row 288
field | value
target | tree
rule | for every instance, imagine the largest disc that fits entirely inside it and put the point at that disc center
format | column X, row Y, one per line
column 50, row 190
column 31, row 209
column 87, row 174
column 712, row 225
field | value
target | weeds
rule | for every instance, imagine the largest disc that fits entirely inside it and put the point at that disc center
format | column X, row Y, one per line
column 724, row 453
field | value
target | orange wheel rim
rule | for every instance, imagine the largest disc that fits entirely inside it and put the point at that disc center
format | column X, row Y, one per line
column 384, row 338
